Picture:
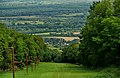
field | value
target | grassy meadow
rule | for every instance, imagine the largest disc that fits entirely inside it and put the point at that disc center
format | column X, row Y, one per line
column 57, row 70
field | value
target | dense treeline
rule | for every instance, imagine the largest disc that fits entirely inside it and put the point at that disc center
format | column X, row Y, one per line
column 51, row 55
column 32, row 45
column 100, row 40
column 100, row 46
column 70, row 54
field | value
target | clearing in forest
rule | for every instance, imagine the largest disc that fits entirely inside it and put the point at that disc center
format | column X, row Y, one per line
column 54, row 70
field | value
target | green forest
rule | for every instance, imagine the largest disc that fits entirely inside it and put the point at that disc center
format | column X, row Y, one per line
column 98, row 48
column 32, row 45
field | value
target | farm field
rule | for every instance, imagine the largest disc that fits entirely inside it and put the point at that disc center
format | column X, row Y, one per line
column 54, row 70
column 65, row 38
column 44, row 16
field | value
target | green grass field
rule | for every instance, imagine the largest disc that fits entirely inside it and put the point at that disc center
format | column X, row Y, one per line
column 56, row 70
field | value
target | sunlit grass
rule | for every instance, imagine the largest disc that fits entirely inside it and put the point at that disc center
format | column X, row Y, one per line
column 55, row 70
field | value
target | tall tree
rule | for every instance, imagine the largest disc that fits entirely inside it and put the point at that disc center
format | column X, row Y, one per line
column 100, row 45
column 116, row 5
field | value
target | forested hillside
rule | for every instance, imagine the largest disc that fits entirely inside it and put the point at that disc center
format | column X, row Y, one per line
column 23, row 44
column 31, row 45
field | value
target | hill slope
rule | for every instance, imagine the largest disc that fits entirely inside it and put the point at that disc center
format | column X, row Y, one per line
column 57, row 70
